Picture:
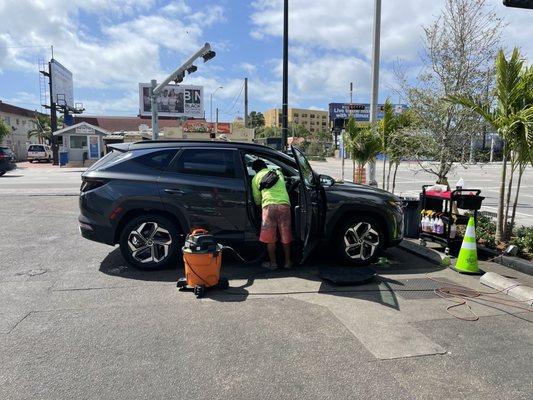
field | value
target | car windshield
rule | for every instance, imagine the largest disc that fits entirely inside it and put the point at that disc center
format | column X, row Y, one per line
column 306, row 170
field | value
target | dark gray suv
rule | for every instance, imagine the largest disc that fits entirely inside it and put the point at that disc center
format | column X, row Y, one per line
column 146, row 196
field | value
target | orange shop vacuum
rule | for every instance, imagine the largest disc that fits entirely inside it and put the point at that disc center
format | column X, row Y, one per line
column 202, row 257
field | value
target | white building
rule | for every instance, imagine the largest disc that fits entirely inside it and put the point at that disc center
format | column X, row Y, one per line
column 83, row 142
column 20, row 120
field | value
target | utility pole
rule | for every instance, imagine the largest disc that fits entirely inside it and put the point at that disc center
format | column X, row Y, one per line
column 211, row 103
column 153, row 105
column 285, row 100
column 375, row 84
column 53, row 116
column 246, row 102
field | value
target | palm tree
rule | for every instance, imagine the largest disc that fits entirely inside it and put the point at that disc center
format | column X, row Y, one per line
column 511, row 116
column 42, row 128
column 361, row 143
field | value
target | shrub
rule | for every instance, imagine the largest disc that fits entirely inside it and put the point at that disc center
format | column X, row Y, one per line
column 523, row 239
column 485, row 230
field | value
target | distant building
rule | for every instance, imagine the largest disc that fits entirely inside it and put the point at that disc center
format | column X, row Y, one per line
column 21, row 121
column 313, row 120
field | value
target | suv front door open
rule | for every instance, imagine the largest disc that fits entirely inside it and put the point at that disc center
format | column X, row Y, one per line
column 306, row 212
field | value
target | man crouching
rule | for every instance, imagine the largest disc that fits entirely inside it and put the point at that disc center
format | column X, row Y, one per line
column 269, row 191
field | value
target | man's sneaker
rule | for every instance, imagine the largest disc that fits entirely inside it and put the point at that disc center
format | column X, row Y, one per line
column 268, row 265
column 288, row 265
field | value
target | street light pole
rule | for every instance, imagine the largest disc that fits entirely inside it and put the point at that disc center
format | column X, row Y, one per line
column 285, row 100
column 211, row 103
column 375, row 83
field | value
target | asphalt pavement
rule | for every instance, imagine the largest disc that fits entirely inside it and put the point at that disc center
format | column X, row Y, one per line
column 77, row 322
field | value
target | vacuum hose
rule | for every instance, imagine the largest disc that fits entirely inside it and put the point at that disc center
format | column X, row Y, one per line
column 232, row 250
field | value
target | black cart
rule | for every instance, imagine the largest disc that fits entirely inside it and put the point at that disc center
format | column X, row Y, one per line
column 445, row 205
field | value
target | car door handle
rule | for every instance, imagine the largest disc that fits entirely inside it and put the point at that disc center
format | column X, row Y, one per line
column 174, row 191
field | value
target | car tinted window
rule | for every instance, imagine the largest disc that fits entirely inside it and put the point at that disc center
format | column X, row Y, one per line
column 157, row 159
column 36, row 148
column 105, row 160
column 213, row 162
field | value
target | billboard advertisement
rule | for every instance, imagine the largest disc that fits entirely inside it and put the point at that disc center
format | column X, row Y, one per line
column 62, row 87
column 360, row 111
column 174, row 101
column 207, row 127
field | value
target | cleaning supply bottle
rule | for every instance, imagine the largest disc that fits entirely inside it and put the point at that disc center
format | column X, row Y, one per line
column 453, row 231
column 440, row 226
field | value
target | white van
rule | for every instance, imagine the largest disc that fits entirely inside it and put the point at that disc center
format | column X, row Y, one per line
column 39, row 152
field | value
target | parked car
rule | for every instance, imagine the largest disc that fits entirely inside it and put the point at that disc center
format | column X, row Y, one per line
column 7, row 160
column 39, row 152
column 146, row 196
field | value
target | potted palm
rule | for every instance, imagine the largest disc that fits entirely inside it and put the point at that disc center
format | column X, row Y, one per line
column 363, row 145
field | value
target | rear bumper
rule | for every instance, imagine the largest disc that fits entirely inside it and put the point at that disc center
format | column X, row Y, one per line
column 8, row 166
column 96, row 233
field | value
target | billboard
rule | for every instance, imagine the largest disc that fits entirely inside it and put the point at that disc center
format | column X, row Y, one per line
column 62, row 87
column 206, row 127
column 360, row 111
column 174, row 101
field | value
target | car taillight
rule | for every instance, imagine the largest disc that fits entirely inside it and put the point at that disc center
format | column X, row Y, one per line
column 91, row 183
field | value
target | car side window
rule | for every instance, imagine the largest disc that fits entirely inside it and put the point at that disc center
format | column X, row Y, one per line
column 271, row 164
column 157, row 159
column 211, row 162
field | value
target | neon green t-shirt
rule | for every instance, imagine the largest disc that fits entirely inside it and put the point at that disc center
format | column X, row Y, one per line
column 277, row 194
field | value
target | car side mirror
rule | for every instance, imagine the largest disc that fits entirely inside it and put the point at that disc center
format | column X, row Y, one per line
column 326, row 180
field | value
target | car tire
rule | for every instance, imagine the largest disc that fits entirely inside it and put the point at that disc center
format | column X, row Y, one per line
column 2, row 173
column 30, row 161
column 359, row 241
column 146, row 251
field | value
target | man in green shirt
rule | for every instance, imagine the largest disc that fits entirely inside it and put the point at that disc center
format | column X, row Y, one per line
column 276, row 214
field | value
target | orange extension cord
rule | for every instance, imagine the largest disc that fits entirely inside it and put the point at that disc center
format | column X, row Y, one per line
column 461, row 296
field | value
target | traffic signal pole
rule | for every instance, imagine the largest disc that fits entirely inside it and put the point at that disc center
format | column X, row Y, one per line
column 177, row 75
column 375, row 84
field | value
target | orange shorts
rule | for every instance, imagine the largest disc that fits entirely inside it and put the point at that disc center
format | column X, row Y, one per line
column 276, row 217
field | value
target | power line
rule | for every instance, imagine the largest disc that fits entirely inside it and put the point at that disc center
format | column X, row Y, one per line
column 235, row 101
column 22, row 47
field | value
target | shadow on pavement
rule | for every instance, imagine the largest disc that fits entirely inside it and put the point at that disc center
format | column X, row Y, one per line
column 115, row 265
column 378, row 290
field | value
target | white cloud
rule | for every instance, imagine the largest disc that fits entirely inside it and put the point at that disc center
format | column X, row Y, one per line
column 248, row 67
column 111, row 55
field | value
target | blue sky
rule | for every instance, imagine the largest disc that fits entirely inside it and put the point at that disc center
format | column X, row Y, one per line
column 112, row 45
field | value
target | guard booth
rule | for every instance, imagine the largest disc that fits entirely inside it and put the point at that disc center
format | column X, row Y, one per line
column 83, row 143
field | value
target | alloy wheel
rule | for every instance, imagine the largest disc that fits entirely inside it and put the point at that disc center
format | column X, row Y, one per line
column 149, row 242
column 361, row 241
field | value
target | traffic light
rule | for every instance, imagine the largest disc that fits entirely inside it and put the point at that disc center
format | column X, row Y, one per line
column 209, row 55
column 519, row 3
column 192, row 68
column 180, row 77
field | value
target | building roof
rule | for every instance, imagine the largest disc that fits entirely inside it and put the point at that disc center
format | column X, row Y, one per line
column 66, row 129
column 11, row 109
column 119, row 124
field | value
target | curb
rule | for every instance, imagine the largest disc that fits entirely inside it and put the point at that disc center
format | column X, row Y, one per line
column 431, row 255
column 500, row 283
column 516, row 263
